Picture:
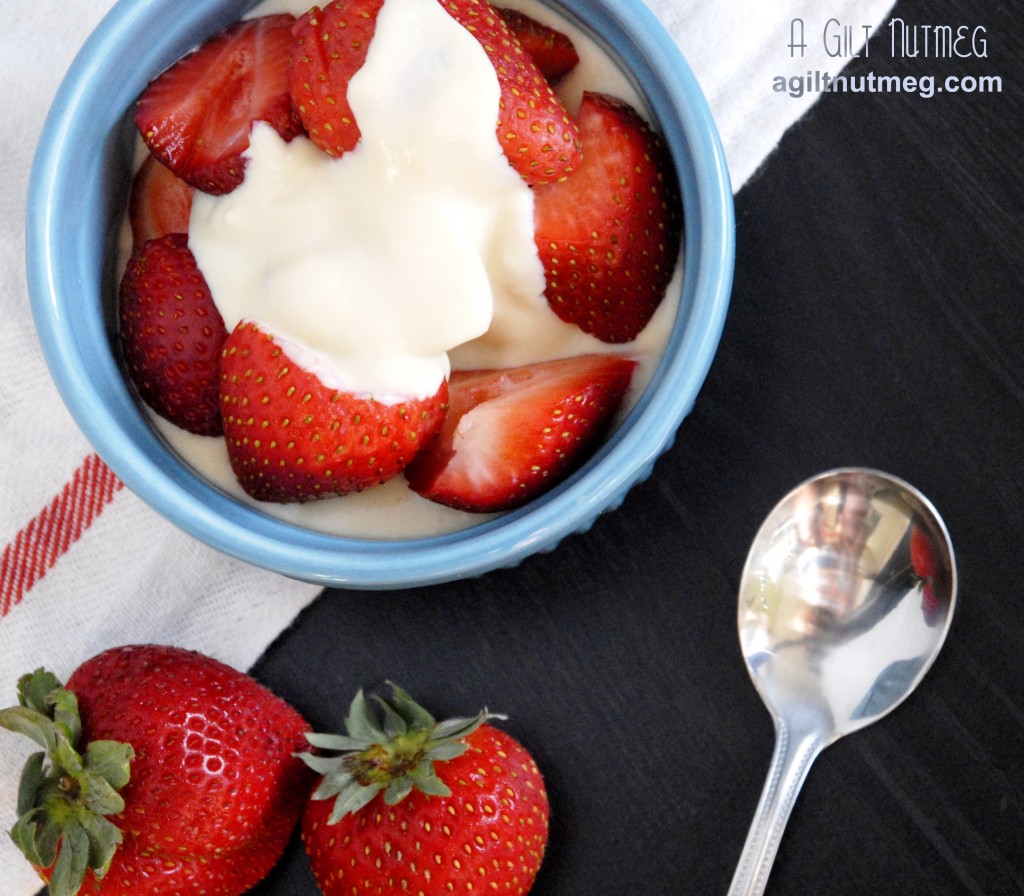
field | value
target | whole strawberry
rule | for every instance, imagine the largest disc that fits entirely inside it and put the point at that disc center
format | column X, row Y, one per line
column 411, row 805
column 164, row 771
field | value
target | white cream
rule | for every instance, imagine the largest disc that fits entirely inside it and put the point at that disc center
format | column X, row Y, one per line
column 374, row 265
column 522, row 328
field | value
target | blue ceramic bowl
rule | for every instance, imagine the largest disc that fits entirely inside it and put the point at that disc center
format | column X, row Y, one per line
column 78, row 191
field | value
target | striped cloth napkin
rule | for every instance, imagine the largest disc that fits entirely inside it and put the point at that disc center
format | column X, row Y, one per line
column 85, row 564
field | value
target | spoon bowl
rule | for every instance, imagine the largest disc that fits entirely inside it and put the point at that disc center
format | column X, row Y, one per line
column 845, row 600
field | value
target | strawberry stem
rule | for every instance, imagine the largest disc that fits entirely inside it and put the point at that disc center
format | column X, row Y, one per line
column 65, row 792
column 393, row 750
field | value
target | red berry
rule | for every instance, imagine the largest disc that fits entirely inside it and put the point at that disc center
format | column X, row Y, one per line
column 329, row 48
column 539, row 138
column 934, row 578
column 551, row 50
column 172, row 333
column 160, row 202
column 512, row 434
column 922, row 554
column 291, row 438
column 182, row 777
column 609, row 236
column 534, row 130
column 427, row 808
column 196, row 117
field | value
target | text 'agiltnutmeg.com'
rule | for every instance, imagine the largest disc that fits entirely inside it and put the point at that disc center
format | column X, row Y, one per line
column 903, row 40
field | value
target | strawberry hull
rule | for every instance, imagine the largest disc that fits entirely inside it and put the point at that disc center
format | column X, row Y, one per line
column 71, row 289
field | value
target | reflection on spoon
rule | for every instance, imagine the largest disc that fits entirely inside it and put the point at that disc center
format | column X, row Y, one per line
column 845, row 600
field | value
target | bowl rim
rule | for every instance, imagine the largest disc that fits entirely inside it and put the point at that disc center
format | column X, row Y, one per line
column 101, row 403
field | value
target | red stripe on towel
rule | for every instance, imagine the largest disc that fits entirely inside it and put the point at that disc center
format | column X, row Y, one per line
column 42, row 542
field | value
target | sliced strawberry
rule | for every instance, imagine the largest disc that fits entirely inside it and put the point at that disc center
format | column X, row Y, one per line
column 160, row 202
column 609, row 236
column 291, row 438
column 551, row 50
column 535, row 131
column 197, row 115
column 172, row 333
column 512, row 434
column 329, row 48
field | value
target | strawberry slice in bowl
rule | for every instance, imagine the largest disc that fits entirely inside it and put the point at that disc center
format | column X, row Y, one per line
column 196, row 116
column 329, row 47
column 172, row 333
column 512, row 434
column 551, row 50
column 291, row 438
column 159, row 204
column 609, row 237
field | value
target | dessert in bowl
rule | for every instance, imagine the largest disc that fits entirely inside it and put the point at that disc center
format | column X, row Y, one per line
column 387, row 535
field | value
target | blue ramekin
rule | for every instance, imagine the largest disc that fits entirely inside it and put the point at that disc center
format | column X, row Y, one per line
column 77, row 194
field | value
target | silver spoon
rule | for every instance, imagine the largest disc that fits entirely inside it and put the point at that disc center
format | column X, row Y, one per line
column 845, row 600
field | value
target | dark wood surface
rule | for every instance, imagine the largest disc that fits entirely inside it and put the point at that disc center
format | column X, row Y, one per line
column 877, row 319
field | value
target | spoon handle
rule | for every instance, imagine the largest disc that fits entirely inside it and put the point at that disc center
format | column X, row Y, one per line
column 795, row 750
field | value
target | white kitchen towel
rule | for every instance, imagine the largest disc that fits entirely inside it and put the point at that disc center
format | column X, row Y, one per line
column 85, row 564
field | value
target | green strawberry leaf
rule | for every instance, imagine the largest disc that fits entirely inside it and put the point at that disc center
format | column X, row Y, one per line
column 36, row 835
column 104, row 838
column 65, row 713
column 100, row 798
column 31, row 723
column 360, row 723
column 448, row 749
column 338, row 742
column 394, row 723
column 327, row 788
column 111, row 761
column 414, row 714
column 350, row 800
column 426, row 780
column 456, row 728
column 398, row 790
column 32, row 779
column 35, row 688
column 328, row 766
column 65, row 757
column 72, row 862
